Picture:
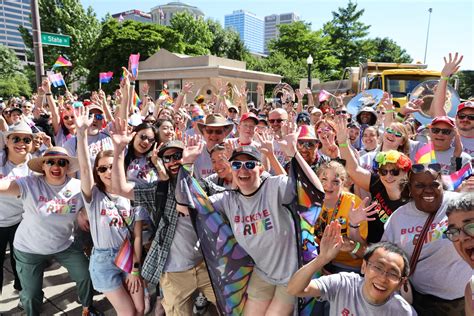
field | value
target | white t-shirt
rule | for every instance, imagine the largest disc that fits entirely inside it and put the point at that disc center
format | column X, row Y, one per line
column 142, row 171
column 468, row 145
column 95, row 143
column 440, row 270
column 203, row 165
column 344, row 292
column 49, row 215
column 263, row 227
column 107, row 227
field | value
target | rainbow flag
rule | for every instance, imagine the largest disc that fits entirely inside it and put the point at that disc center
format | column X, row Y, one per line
column 62, row 62
column 454, row 180
column 133, row 61
column 136, row 100
column 164, row 95
column 124, row 73
column 56, row 80
column 425, row 154
column 124, row 258
column 324, row 95
column 105, row 77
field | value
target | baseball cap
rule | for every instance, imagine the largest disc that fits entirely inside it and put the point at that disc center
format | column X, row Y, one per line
column 249, row 115
column 465, row 105
column 171, row 144
column 246, row 150
column 443, row 119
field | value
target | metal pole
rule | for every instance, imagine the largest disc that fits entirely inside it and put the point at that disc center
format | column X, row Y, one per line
column 309, row 76
column 38, row 47
column 427, row 33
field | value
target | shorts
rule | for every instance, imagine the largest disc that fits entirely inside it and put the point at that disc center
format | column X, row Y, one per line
column 260, row 290
column 105, row 275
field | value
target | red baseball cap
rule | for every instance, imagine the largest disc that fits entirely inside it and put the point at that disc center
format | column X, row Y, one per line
column 443, row 119
column 465, row 105
column 249, row 115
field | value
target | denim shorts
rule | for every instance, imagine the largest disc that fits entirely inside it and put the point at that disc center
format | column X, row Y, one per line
column 105, row 275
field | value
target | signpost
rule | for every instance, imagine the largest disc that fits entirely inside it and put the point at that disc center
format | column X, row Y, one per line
column 55, row 39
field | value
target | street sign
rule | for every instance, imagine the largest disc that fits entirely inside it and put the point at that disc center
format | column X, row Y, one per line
column 55, row 39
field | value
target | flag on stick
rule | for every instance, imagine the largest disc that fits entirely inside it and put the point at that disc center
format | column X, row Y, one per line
column 56, row 80
column 454, row 180
column 62, row 62
column 133, row 61
column 324, row 95
column 425, row 154
column 105, row 77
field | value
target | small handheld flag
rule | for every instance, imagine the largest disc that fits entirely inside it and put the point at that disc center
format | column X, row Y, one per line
column 425, row 154
column 56, row 79
column 105, row 77
column 454, row 180
column 136, row 100
column 324, row 95
column 133, row 61
column 62, row 62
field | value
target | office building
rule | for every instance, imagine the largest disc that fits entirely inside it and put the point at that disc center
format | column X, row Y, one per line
column 250, row 28
column 163, row 14
column 14, row 13
column 135, row 15
column 271, row 25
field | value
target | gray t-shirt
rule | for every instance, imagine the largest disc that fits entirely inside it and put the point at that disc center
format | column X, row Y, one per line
column 263, row 227
column 203, row 165
column 444, row 158
column 141, row 171
column 95, row 143
column 344, row 292
column 440, row 270
column 184, row 252
column 11, row 206
column 49, row 215
column 468, row 145
column 106, row 225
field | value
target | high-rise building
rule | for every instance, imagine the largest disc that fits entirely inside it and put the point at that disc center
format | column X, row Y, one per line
column 14, row 13
column 250, row 28
column 163, row 14
column 271, row 25
column 135, row 15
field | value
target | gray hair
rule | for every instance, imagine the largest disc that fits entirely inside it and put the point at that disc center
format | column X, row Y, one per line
column 465, row 203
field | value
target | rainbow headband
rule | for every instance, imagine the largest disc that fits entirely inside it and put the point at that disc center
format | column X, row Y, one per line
column 392, row 156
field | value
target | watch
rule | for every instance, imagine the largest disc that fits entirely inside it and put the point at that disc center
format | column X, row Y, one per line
column 136, row 265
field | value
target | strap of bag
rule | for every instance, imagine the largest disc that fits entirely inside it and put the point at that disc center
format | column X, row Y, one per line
column 419, row 243
column 121, row 216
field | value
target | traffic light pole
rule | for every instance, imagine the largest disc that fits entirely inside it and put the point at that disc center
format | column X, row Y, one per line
column 38, row 47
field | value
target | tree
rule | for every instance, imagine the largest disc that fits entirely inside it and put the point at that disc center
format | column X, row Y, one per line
column 346, row 34
column 196, row 33
column 67, row 17
column 226, row 42
column 385, row 50
column 12, row 80
column 118, row 40
column 466, row 84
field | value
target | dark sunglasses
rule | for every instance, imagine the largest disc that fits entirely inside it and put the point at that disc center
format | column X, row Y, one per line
column 444, row 131
column 393, row 132
column 419, row 167
column 307, row 143
column 273, row 121
column 103, row 169
column 197, row 118
column 232, row 111
column 215, row 131
column 470, row 117
column 249, row 165
column 393, row 172
column 453, row 233
column 176, row 156
column 144, row 137
column 96, row 116
column 17, row 139
column 67, row 118
column 341, row 112
column 60, row 162
column 323, row 130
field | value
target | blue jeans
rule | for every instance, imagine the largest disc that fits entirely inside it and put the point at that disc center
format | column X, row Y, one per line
column 105, row 275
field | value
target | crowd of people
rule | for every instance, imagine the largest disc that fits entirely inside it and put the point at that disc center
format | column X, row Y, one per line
column 84, row 179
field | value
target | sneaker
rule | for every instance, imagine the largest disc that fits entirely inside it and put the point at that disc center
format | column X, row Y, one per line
column 91, row 311
column 200, row 304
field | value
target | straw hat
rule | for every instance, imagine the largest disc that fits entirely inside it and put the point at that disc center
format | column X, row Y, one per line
column 36, row 164
column 216, row 120
column 19, row 128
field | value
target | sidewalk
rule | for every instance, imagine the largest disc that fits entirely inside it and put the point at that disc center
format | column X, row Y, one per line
column 59, row 294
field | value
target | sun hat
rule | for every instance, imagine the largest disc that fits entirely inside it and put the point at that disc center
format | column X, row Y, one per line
column 20, row 127
column 216, row 120
column 36, row 164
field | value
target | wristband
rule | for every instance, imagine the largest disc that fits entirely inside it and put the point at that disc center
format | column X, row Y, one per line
column 343, row 145
column 445, row 78
column 135, row 273
column 390, row 111
column 354, row 226
column 356, row 248
column 49, row 93
column 181, row 93
column 132, row 83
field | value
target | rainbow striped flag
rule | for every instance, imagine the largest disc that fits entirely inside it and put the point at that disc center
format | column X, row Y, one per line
column 105, row 77
column 425, row 154
column 164, row 95
column 124, row 73
column 454, row 180
column 124, row 258
column 62, row 62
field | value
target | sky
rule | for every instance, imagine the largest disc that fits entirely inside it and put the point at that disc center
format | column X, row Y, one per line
column 404, row 21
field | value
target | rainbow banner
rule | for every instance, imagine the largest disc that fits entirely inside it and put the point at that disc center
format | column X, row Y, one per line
column 133, row 61
column 62, row 62
column 425, row 154
column 455, row 179
column 105, row 77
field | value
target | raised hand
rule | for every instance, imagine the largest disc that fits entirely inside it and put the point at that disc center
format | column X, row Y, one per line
column 341, row 129
column 266, row 142
column 81, row 119
column 288, row 142
column 192, row 149
column 451, row 65
column 387, row 102
column 458, row 147
column 331, row 242
column 362, row 213
column 412, row 107
column 229, row 146
column 46, row 85
column 120, row 134
column 299, row 94
column 187, row 87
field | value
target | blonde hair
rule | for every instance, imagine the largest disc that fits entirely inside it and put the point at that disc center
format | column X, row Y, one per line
column 337, row 168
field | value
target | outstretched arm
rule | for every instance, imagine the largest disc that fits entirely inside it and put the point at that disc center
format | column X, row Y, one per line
column 451, row 66
column 82, row 122
column 120, row 139
column 9, row 187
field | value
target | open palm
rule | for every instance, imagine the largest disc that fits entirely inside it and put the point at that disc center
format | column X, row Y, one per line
column 81, row 119
column 120, row 134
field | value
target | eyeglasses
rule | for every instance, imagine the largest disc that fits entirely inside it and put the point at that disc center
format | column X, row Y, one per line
column 341, row 112
column 144, row 137
column 273, row 121
column 233, row 111
column 444, row 131
column 60, row 162
column 176, row 156
column 393, row 132
column 197, row 118
column 393, row 172
column 249, row 165
column 379, row 270
column 307, row 143
column 454, row 233
column 96, row 116
column 214, row 131
column 323, row 130
column 419, row 167
column 103, row 169
column 67, row 118
column 470, row 117
column 17, row 139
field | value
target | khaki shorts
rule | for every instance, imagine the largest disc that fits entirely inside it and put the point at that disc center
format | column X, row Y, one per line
column 260, row 290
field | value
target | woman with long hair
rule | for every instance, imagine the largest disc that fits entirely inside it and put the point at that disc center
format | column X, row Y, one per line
column 166, row 131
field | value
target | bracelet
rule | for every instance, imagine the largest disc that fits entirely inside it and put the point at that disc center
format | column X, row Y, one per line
column 132, row 83
column 181, row 93
column 390, row 111
column 356, row 248
column 341, row 145
column 135, row 273
column 354, row 226
column 49, row 93
column 445, row 78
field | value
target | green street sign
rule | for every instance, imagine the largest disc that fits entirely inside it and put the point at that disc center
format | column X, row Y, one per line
column 55, row 39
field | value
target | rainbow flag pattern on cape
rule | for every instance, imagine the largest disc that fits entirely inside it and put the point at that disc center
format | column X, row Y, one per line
column 124, row 258
column 62, row 62
column 105, row 77
column 425, row 154
column 454, row 180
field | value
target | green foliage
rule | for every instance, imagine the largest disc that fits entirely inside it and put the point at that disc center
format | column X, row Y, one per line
column 226, row 42
column 385, row 50
column 466, row 84
column 196, row 33
column 12, row 80
column 118, row 40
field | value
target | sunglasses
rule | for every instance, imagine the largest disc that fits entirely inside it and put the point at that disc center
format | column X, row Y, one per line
column 444, row 131
column 103, row 169
column 307, row 143
column 215, row 131
column 454, row 234
column 381, row 112
column 419, row 167
column 393, row 132
column 233, row 111
column 144, row 137
column 323, row 130
column 249, row 165
column 67, row 118
column 273, row 121
column 17, row 139
column 470, row 117
column 60, row 162
column 175, row 157
column 197, row 118
column 341, row 112
column 96, row 116
column 393, row 172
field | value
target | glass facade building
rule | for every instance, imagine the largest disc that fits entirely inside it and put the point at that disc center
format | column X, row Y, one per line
column 14, row 13
column 250, row 28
